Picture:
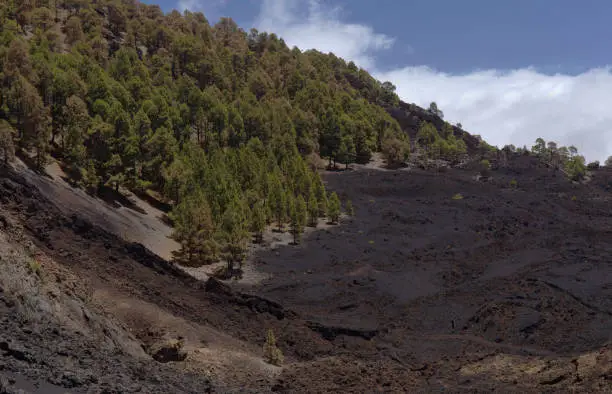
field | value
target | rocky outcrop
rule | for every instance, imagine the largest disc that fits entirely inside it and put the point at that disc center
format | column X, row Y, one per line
column 168, row 350
column 410, row 116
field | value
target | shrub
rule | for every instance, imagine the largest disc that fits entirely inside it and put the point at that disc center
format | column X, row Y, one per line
column 457, row 196
column 348, row 207
column 395, row 150
column 485, row 167
column 334, row 208
column 513, row 184
column 34, row 266
column 593, row 165
column 272, row 353
column 575, row 168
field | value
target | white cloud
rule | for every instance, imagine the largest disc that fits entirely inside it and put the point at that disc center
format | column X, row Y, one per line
column 520, row 105
column 321, row 28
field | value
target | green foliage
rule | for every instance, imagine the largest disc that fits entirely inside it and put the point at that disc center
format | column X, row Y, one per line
column 258, row 223
column 299, row 216
column 608, row 162
column 313, row 208
column 6, row 141
column 272, row 354
column 458, row 196
column 446, row 146
column 346, row 151
column 576, row 168
column 485, row 167
column 348, row 208
column 434, row 110
column 334, row 208
column 233, row 234
column 539, row 148
column 594, row 165
column 193, row 230
column 396, row 149
column 34, row 266
column 513, row 184
column 563, row 157
column 278, row 201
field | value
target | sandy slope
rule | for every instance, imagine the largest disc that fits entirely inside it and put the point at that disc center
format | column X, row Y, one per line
column 134, row 220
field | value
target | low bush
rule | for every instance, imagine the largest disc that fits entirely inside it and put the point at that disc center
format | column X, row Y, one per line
column 272, row 354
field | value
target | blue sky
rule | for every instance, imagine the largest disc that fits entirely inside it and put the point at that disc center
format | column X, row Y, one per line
column 509, row 70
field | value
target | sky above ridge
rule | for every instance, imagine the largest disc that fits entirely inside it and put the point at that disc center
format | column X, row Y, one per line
column 509, row 70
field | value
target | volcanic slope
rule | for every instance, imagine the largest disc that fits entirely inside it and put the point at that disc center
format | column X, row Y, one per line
column 504, row 288
column 465, row 285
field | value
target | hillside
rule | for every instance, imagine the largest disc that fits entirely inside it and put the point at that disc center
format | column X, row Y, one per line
column 506, row 288
column 126, row 97
column 176, row 215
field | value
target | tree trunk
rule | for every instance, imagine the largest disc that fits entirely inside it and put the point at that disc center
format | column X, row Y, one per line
column 230, row 268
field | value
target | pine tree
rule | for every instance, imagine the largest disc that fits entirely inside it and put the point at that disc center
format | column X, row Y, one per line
column 576, row 167
column 194, row 229
column 272, row 353
column 89, row 178
column 258, row 224
column 278, row 202
column 302, row 211
column 323, row 201
column 348, row 208
column 321, row 194
column 346, row 151
column 334, row 208
column 313, row 208
column 234, row 234
column 6, row 141
column 298, row 218
column 76, row 124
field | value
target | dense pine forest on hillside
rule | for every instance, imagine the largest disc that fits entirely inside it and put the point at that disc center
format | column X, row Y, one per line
column 226, row 124
column 221, row 121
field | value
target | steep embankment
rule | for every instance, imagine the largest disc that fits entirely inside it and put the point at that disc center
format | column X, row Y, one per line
column 54, row 335
column 125, row 215
column 153, row 301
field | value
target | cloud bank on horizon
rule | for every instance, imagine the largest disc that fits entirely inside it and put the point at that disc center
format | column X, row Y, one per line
column 503, row 106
